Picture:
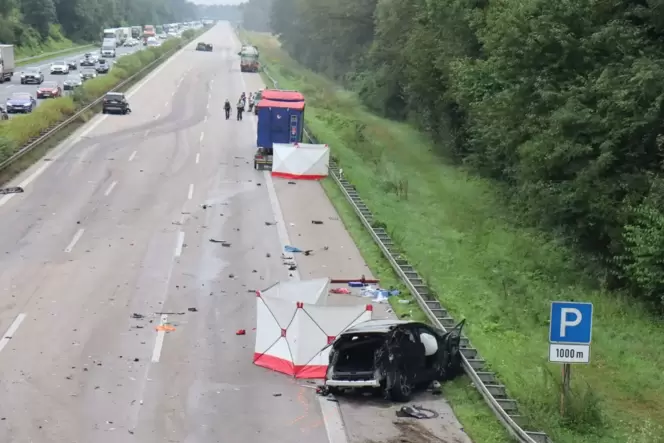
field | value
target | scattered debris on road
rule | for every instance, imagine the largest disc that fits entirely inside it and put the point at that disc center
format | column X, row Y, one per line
column 192, row 310
column 418, row 412
column 316, row 222
column 12, row 190
column 222, row 242
column 241, row 332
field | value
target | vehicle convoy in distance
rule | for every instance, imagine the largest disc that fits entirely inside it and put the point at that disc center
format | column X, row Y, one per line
column 49, row 90
column 7, row 65
column 249, row 58
column 204, row 47
column 32, row 75
column 20, row 102
column 115, row 102
column 394, row 357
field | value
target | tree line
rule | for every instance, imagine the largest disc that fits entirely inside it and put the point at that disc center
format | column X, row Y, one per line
column 30, row 22
column 562, row 101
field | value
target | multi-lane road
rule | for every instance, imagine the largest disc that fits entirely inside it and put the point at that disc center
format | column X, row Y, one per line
column 110, row 239
column 8, row 88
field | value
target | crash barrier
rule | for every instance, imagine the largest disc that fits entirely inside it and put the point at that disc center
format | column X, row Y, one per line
column 486, row 382
column 54, row 53
column 47, row 133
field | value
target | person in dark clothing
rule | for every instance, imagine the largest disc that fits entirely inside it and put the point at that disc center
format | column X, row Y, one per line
column 227, row 108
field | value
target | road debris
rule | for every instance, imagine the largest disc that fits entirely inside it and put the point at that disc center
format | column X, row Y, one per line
column 418, row 412
column 241, row 332
column 12, row 190
column 137, row 316
column 192, row 310
column 223, row 243
column 316, row 222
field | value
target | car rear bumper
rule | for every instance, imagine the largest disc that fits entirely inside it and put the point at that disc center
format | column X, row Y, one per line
column 352, row 383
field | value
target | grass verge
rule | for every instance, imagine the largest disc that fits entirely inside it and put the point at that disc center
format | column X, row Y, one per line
column 36, row 58
column 501, row 278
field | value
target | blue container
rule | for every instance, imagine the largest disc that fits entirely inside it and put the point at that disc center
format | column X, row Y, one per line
column 279, row 122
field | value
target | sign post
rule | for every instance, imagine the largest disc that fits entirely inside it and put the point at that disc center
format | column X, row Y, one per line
column 570, row 334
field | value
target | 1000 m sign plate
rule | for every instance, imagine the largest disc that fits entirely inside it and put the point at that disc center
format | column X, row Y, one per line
column 563, row 353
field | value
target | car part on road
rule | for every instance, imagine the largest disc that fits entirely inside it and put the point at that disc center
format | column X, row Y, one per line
column 417, row 412
column 12, row 190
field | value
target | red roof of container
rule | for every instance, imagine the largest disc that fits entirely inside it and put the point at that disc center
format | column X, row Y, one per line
column 276, row 94
column 298, row 106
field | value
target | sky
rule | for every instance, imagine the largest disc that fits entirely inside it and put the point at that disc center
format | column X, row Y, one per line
column 219, row 2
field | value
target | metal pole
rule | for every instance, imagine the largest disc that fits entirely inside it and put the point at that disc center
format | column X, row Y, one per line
column 567, row 378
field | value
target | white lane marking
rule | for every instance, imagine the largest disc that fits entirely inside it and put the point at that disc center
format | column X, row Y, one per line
column 75, row 240
column 166, row 104
column 110, row 189
column 172, row 95
column 198, row 157
column 146, row 133
column 205, row 119
column 157, row 116
column 133, row 155
column 180, row 244
column 332, row 419
column 200, row 139
column 159, row 342
column 207, row 106
column 71, row 142
column 10, row 86
column 11, row 331
column 190, row 195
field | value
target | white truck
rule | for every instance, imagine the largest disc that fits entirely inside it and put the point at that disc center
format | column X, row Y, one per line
column 108, row 47
column 6, row 62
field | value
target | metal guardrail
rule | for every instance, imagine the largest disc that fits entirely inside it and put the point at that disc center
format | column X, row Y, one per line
column 49, row 132
column 486, row 382
column 48, row 54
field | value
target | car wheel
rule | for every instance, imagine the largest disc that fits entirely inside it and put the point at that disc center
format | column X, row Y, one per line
column 401, row 389
column 103, row 111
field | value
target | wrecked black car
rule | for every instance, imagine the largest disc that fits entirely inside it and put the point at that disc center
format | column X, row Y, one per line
column 394, row 357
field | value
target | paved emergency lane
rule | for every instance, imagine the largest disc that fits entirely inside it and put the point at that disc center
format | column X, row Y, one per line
column 13, row 86
column 117, row 222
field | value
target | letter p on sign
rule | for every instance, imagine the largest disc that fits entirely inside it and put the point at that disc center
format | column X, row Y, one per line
column 566, row 314
column 571, row 322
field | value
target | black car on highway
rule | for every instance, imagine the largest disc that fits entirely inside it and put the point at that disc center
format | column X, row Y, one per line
column 102, row 67
column 73, row 65
column 32, row 75
column 204, row 47
column 115, row 102
column 72, row 82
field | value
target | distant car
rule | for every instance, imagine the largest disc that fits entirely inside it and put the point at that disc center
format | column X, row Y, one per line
column 20, row 102
column 72, row 82
column 153, row 43
column 102, row 67
column 73, row 65
column 115, row 102
column 88, row 73
column 162, row 36
column 59, row 68
column 204, row 47
column 87, row 60
column 32, row 75
column 392, row 356
column 49, row 90
column 130, row 42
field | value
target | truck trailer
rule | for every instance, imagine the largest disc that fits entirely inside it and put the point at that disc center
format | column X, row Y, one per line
column 249, row 59
column 7, row 65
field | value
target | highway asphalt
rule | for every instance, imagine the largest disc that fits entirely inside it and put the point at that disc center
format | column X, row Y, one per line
column 111, row 238
column 8, row 88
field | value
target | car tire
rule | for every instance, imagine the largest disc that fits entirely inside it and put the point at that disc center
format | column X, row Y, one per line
column 103, row 111
column 401, row 389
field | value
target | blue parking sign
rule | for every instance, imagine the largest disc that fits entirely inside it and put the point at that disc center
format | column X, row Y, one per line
column 571, row 322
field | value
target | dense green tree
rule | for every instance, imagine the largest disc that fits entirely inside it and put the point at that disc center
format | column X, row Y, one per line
column 561, row 100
